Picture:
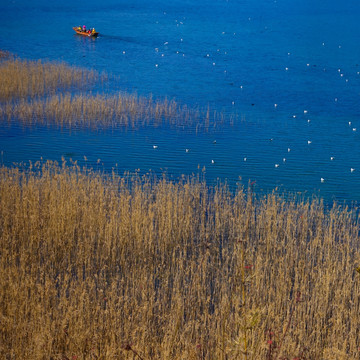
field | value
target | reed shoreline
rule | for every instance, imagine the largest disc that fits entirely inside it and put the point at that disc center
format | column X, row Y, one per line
column 101, row 266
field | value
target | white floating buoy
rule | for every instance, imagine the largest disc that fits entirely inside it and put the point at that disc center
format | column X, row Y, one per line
column 212, row 161
column 322, row 180
column 187, row 150
column 156, row 65
column 309, row 142
column 308, row 120
column 275, row 105
column 245, row 158
column 284, row 159
column 289, row 149
column 349, row 123
column 352, row 170
column 276, row 165
column 155, row 146
column 354, row 129
column 332, row 158
column 286, row 68
column 305, row 111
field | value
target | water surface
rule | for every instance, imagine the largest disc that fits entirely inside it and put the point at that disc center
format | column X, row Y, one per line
column 289, row 69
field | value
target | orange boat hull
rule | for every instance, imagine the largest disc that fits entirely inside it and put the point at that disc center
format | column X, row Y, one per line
column 85, row 33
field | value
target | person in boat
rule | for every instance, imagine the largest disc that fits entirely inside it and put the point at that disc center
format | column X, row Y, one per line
column 93, row 31
column 84, row 28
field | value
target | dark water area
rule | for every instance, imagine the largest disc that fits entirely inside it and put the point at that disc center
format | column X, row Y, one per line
column 289, row 70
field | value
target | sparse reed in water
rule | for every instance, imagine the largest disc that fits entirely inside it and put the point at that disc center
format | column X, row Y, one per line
column 101, row 111
column 105, row 267
column 4, row 55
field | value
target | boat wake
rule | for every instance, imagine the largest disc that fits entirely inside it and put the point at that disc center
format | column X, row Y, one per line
column 121, row 38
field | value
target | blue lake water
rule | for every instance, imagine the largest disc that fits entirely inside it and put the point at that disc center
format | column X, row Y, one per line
column 290, row 70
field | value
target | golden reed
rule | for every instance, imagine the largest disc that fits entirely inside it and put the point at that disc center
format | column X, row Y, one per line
column 25, row 78
column 99, row 111
column 96, row 266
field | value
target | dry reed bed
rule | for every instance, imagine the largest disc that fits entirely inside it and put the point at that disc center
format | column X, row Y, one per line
column 123, row 110
column 25, row 78
column 105, row 267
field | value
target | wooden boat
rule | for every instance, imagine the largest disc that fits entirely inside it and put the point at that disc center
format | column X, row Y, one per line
column 79, row 31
